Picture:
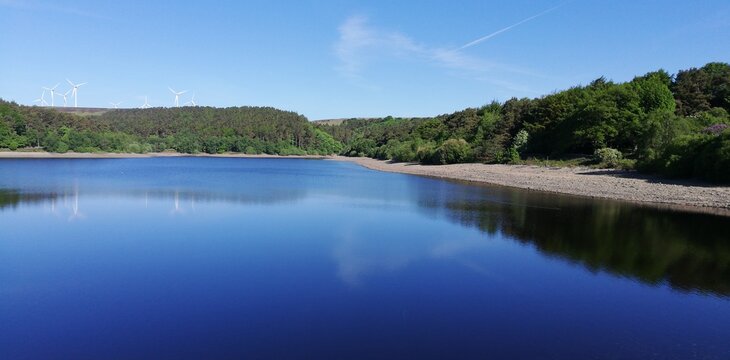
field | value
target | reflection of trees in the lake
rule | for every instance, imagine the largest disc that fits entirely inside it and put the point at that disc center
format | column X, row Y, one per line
column 685, row 250
column 11, row 198
column 688, row 251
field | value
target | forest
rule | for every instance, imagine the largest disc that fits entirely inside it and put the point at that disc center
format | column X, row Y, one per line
column 251, row 130
column 673, row 125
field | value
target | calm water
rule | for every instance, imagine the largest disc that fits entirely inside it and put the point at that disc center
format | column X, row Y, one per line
column 261, row 258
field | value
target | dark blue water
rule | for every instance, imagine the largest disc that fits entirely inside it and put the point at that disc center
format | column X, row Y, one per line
column 267, row 258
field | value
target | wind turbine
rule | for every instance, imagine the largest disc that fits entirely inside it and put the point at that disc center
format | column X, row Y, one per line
column 43, row 97
column 116, row 105
column 146, row 104
column 53, row 92
column 41, row 101
column 64, row 95
column 177, row 96
column 75, row 92
column 192, row 101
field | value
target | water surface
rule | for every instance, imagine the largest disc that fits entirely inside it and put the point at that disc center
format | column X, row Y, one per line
column 287, row 258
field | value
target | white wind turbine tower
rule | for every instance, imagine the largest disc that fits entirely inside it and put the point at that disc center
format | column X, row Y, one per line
column 192, row 101
column 116, row 105
column 146, row 104
column 75, row 91
column 53, row 92
column 64, row 96
column 177, row 96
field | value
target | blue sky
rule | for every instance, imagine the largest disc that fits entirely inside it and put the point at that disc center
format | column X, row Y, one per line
column 333, row 59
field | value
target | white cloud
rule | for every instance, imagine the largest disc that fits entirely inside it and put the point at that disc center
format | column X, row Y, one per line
column 360, row 44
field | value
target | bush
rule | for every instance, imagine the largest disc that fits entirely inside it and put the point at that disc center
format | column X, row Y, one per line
column 405, row 151
column 61, row 147
column 133, row 148
column 700, row 156
column 291, row 150
column 608, row 157
column 425, row 152
column 512, row 154
column 626, row 164
column 520, row 139
column 452, row 151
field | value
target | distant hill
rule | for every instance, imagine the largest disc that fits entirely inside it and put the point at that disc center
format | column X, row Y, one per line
column 77, row 110
column 337, row 121
column 189, row 129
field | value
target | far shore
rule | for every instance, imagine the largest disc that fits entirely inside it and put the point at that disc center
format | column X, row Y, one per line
column 103, row 155
column 581, row 181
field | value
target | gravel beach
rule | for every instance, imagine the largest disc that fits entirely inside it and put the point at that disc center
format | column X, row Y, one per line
column 582, row 181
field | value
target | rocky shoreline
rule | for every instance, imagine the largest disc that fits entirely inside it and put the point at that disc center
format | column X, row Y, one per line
column 581, row 181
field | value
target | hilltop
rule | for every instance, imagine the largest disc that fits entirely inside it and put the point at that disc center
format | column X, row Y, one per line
column 251, row 130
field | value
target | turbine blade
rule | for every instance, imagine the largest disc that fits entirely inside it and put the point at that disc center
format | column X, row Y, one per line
column 69, row 81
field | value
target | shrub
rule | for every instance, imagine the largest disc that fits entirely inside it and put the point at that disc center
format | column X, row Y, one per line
column 291, row 150
column 425, row 152
column 626, row 164
column 701, row 156
column 512, row 154
column 520, row 139
column 405, row 151
column 61, row 147
column 452, row 151
column 608, row 157
column 133, row 148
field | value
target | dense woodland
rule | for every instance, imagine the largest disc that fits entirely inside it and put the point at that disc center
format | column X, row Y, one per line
column 673, row 125
column 251, row 130
column 677, row 126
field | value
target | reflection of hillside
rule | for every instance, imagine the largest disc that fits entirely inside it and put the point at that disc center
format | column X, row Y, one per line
column 688, row 251
column 12, row 197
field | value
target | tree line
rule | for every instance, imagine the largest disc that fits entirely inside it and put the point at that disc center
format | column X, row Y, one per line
column 251, row 130
column 676, row 126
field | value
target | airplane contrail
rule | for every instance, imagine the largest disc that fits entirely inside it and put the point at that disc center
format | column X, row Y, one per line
column 487, row 37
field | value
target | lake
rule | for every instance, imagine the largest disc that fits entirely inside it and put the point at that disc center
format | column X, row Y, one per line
column 287, row 258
